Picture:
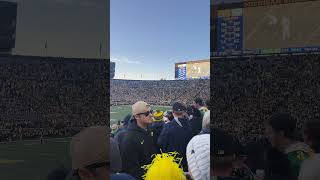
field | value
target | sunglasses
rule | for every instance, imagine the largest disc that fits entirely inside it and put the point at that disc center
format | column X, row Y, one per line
column 146, row 113
column 98, row 165
column 93, row 167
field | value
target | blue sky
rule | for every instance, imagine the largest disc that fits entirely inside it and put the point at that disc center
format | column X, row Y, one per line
column 148, row 37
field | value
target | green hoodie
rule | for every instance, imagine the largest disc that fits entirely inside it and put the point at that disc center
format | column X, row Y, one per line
column 203, row 110
column 296, row 154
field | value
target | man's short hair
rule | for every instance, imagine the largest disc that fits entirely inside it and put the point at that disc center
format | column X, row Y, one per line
column 199, row 101
column 283, row 122
column 179, row 107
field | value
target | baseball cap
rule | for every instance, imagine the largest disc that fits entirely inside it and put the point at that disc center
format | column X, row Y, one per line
column 283, row 121
column 89, row 147
column 179, row 107
column 140, row 107
column 198, row 151
column 199, row 101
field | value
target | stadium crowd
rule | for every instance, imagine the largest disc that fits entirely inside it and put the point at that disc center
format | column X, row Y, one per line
column 265, row 120
column 50, row 96
column 163, row 92
column 246, row 92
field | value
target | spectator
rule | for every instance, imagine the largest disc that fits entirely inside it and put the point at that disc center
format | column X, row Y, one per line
column 223, row 153
column 310, row 169
column 121, row 132
column 116, row 163
column 114, row 129
column 198, row 103
column 280, row 131
column 137, row 146
column 176, row 134
column 90, row 154
column 198, row 151
column 206, row 123
column 195, row 120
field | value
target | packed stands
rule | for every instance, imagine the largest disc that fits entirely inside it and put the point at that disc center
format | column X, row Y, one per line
column 245, row 92
column 51, row 96
column 163, row 92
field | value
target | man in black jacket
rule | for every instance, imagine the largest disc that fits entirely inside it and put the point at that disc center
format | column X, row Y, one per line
column 176, row 134
column 137, row 146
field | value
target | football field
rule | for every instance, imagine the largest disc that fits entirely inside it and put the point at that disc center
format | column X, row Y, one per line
column 117, row 113
column 30, row 160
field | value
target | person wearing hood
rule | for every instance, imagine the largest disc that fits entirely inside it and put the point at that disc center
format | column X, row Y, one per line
column 280, row 131
column 118, row 137
column 310, row 169
column 137, row 146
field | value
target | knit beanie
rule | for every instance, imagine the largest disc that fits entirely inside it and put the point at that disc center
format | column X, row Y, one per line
column 198, row 157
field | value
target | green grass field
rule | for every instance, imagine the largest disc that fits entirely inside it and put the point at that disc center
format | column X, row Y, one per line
column 117, row 113
column 30, row 160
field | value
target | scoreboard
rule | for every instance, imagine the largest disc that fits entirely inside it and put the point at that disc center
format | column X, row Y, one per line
column 8, row 16
column 230, row 34
column 112, row 69
column 230, row 31
column 181, row 71
column 266, row 27
column 192, row 70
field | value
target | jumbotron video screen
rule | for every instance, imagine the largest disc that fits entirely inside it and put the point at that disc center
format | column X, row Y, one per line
column 269, row 27
column 8, row 16
column 192, row 70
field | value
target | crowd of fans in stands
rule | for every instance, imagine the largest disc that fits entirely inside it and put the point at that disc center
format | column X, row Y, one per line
column 164, row 92
column 50, row 96
column 246, row 92
column 245, row 97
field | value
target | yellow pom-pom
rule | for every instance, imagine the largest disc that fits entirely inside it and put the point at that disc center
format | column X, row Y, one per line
column 164, row 166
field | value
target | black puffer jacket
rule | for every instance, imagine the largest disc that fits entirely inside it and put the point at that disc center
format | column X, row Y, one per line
column 137, row 147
